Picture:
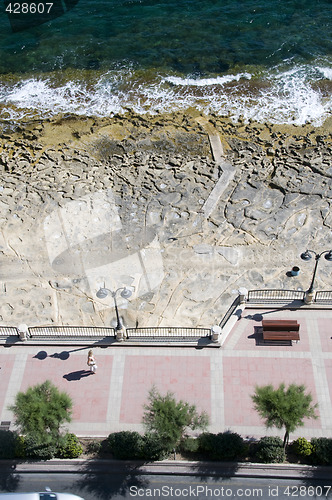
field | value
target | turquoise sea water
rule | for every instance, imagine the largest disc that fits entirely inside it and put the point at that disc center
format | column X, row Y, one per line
column 269, row 60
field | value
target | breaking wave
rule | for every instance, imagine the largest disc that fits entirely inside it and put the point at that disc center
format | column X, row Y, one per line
column 290, row 95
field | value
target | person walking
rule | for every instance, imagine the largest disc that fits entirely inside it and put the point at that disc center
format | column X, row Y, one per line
column 92, row 362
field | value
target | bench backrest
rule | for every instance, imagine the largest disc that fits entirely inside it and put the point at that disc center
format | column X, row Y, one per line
column 281, row 325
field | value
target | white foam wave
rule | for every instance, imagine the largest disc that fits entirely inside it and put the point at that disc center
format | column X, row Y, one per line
column 206, row 82
column 277, row 96
column 327, row 72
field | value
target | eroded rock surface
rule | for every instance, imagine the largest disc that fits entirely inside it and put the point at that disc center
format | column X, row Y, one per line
column 123, row 202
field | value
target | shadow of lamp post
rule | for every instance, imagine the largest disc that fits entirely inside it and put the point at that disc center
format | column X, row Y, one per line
column 307, row 256
column 102, row 293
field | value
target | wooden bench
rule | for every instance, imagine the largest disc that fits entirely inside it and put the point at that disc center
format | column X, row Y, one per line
column 281, row 330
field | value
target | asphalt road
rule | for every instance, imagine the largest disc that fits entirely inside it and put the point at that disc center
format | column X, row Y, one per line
column 128, row 486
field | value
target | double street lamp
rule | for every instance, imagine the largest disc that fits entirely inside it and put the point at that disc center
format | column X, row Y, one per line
column 125, row 293
column 307, row 256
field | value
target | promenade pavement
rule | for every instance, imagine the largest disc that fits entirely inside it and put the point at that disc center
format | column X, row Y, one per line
column 219, row 381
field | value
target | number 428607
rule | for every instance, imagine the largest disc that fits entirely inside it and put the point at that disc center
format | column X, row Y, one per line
column 307, row 491
column 32, row 8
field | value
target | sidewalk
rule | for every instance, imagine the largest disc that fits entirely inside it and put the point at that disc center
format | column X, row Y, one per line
column 219, row 381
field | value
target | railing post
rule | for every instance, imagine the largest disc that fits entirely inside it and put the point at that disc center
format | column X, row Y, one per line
column 309, row 297
column 215, row 333
column 121, row 333
column 243, row 294
column 23, row 331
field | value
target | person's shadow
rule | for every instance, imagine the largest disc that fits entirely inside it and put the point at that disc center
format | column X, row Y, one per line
column 77, row 375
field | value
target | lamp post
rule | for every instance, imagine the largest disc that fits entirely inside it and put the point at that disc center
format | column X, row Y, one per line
column 125, row 293
column 307, row 256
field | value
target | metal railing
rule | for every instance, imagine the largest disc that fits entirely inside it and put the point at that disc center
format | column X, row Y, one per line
column 164, row 333
column 167, row 333
column 323, row 297
column 80, row 332
column 7, row 331
column 230, row 311
column 92, row 332
column 275, row 295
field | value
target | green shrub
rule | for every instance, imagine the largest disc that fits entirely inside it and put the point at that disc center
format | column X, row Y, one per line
column 170, row 418
column 126, row 445
column 35, row 448
column 223, row 446
column 70, row 447
column 94, row 447
column 154, row 447
column 41, row 411
column 230, row 445
column 189, row 445
column 105, row 447
column 322, row 451
column 284, row 408
column 8, row 440
column 20, row 446
column 302, row 447
column 269, row 449
column 206, row 442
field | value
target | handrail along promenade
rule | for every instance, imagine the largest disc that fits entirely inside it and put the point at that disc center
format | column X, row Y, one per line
column 271, row 295
column 8, row 331
column 323, row 297
column 71, row 331
column 172, row 333
column 159, row 334
column 230, row 311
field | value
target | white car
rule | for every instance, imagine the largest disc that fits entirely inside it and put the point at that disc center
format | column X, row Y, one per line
column 43, row 495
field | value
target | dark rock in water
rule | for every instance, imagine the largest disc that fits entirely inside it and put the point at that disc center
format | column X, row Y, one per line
column 222, row 66
column 71, row 3
column 177, row 66
column 93, row 64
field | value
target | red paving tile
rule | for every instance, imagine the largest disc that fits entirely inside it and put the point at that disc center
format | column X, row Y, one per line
column 89, row 393
column 252, row 338
column 325, row 332
column 188, row 377
column 241, row 375
column 6, row 367
column 328, row 368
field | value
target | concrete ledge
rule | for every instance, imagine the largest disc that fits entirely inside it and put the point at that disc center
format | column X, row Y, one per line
column 169, row 467
column 296, row 304
column 112, row 343
column 231, row 323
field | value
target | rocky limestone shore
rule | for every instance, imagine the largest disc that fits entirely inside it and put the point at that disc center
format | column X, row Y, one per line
column 141, row 202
